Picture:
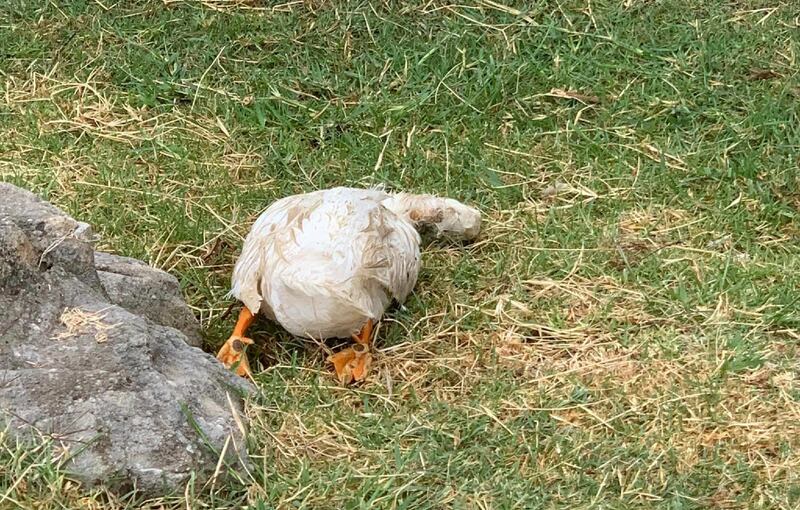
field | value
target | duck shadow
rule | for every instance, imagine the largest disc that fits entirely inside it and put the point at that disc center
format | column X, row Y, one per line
column 273, row 345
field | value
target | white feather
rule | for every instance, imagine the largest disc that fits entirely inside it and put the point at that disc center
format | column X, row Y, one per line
column 321, row 264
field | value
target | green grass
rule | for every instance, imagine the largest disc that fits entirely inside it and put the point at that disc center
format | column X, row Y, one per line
column 625, row 334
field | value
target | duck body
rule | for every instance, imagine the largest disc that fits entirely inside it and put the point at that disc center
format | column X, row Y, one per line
column 327, row 264
column 322, row 264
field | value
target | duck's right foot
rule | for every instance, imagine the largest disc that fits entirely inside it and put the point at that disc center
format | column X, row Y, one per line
column 351, row 364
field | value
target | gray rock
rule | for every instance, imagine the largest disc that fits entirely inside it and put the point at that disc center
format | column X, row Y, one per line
column 147, row 291
column 110, row 379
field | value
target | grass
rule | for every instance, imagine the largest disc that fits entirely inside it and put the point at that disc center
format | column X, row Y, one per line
column 625, row 334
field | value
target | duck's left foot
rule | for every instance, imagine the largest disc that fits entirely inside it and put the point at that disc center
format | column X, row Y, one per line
column 352, row 364
column 232, row 354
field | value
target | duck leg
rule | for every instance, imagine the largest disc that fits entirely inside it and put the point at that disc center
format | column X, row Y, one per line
column 352, row 364
column 365, row 335
column 232, row 352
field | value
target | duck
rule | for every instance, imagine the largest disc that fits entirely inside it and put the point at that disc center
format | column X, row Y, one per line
column 328, row 263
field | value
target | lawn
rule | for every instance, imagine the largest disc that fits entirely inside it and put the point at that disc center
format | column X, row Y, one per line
column 624, row 334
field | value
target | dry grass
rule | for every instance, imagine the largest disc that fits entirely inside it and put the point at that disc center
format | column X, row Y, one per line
column 79, row 322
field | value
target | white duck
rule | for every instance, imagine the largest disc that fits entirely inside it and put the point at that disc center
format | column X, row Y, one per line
column 326, row 264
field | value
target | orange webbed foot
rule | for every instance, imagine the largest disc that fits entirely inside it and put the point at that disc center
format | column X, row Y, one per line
column 362, row 362
column 232, row 354
column 341, row 363
column 351, row 364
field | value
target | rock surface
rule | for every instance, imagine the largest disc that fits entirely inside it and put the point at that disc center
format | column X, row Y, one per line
column 94, row 352
column 147, row 291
